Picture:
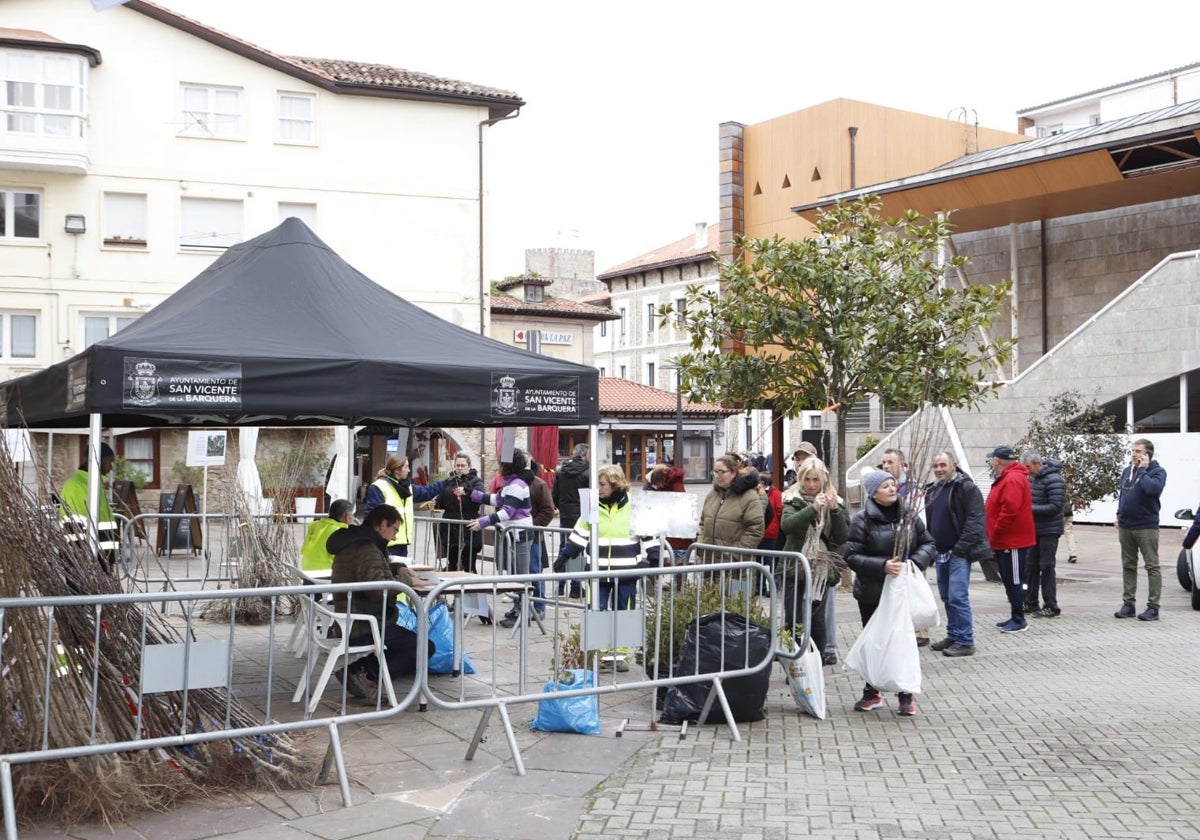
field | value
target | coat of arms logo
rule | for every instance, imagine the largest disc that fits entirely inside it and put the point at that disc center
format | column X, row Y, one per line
column 144, row 384
column 506, row 395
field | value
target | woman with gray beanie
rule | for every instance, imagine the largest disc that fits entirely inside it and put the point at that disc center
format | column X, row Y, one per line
column 881, row 539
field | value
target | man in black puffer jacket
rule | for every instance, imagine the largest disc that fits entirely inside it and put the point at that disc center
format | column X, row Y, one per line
column 1049, row 491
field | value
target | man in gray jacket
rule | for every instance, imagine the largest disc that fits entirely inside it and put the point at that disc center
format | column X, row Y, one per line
column 1048, row 491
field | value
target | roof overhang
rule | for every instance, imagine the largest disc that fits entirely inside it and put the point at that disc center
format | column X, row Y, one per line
column 1151, row 157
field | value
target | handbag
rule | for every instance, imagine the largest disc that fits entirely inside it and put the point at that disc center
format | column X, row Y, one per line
column 885, row 654
column 921, row 603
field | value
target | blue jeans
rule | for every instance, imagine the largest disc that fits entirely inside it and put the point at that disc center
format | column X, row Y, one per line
column 953, row 580
column 535, row 568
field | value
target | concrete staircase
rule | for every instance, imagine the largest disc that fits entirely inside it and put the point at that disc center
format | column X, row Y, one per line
column 1148, row 333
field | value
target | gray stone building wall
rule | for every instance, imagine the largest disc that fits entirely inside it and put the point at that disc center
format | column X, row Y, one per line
column 572, row 270
column 1090, row 259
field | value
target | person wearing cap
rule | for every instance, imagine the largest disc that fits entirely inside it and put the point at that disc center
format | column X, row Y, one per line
column 804, row 451
column 1138, row 504
column 74, row 508
column 1010, row 529
column 871, row 547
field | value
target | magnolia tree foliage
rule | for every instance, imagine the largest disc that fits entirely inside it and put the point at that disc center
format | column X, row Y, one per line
column 1076, row 432
column 859, row 308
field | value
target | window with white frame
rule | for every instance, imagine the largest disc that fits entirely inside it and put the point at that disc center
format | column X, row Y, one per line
column 18, row 335
column 603, row 329
column 622, row 370
column 209, row 222
column 140, row 451
column 124, row 220
column 622, row 311
column 43, row 93
column 650, row 374
column 20, row 214
column 297, row 117
column 603, row 371
column 680, row 312
column 210, row 111
column 306, row 213
column 650, row 307
column 97, row 327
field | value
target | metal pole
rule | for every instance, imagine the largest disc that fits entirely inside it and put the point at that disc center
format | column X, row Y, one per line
column 678, row 424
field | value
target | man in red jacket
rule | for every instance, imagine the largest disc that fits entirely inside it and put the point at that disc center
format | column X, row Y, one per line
column 1010, row 530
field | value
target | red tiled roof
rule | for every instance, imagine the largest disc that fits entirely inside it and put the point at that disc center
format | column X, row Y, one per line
column 380, row 75
column 338, row 76
column 551, row 307
column 681, row 251
column 620, row 396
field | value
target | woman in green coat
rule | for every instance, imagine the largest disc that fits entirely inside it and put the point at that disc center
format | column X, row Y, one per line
column 813, row 503
column 732, row 514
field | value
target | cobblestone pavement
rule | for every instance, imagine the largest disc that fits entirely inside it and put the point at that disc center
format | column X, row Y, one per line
column 1082, row 727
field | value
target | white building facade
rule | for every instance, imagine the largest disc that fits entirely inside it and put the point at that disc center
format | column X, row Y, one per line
column 136, row 145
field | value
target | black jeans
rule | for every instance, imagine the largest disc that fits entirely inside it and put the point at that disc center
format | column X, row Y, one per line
column 400, row 652
column 1040, row 574
column 791, row 591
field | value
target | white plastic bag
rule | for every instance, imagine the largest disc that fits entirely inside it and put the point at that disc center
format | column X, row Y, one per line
column 921, row 602
column 806, row 678
column 885, row 653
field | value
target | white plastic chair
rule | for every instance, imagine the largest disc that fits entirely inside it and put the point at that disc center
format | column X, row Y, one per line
column 318, row 618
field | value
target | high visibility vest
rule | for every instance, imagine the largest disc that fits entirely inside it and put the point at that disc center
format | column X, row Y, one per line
column 74, row 513
column 391, row 496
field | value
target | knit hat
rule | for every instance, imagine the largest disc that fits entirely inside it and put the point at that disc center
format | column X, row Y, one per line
column 872, row 480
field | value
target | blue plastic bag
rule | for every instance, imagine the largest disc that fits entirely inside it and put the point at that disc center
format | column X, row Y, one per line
column 441, row 633
column 570, row 714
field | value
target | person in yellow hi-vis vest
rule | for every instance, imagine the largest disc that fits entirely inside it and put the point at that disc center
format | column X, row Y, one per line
column 313, row 555
column 393, row 486
column 74, row 509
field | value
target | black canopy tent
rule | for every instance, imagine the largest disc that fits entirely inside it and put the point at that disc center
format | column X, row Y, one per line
column 281, row 331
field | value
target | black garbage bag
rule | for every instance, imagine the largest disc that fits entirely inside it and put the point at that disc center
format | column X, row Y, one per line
column 742, row 641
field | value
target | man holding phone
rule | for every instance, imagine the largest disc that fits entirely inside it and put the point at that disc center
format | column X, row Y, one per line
column 1142, row 483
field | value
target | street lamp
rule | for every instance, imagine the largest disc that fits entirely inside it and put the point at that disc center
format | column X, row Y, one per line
column 678, row 455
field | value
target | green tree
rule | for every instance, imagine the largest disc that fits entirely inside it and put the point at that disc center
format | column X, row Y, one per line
column 859, row 308
column 1073, row 430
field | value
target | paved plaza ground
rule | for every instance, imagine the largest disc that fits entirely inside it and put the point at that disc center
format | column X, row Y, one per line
column 1082, row 727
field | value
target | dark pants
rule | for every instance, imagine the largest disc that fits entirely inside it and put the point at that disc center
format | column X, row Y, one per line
column 626, row 592
column 461, row 550
column 400, row 651
column 1040, row 574
column 865, row 611
column 791, row 591
column 1012, row 573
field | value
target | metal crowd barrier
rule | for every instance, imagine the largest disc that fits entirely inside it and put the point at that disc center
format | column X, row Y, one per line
column 179, row 668
column 743, row 581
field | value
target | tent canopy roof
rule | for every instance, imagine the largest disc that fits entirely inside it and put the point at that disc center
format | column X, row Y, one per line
column 281, row 331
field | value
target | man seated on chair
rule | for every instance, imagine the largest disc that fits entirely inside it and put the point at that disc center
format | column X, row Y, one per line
column 313, row 556
column 360, row 553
